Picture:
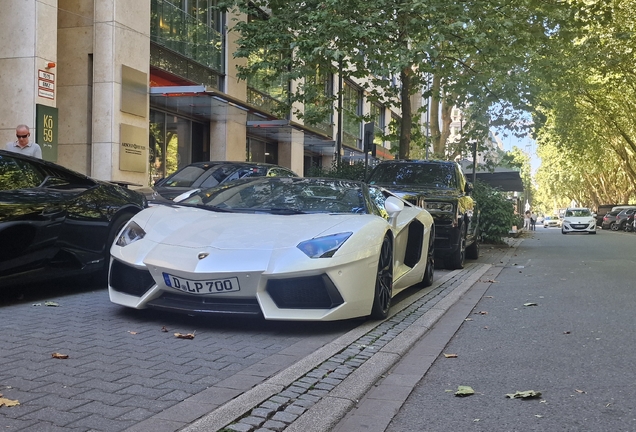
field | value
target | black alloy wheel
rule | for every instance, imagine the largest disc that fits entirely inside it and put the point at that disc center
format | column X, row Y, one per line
column 458, row 258
column 384, row 281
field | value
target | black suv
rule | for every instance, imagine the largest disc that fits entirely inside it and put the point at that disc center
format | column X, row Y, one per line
column 441, row 188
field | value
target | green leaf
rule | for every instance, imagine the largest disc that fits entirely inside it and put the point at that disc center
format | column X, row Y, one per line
column 464, row 391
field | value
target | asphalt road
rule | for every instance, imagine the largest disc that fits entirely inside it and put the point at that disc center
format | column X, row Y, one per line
column 559, row 320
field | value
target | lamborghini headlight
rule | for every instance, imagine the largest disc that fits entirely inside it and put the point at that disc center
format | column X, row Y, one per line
column 439, row 206
column 130, row 234
column 323, row 247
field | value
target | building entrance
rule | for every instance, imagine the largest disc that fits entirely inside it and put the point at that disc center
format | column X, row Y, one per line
column 174, row 143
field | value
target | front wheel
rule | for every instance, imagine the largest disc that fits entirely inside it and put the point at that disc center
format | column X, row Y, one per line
column 458, row 258
column 383, row 281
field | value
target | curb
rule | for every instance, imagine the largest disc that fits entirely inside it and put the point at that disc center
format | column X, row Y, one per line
column 322, row 409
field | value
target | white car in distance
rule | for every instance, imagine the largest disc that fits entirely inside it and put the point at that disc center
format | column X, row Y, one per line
column 578, row 220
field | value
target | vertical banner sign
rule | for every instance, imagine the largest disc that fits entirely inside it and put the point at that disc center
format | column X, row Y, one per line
column 46, row 127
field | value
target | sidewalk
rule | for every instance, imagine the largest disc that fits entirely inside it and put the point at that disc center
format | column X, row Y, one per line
column 360, row 381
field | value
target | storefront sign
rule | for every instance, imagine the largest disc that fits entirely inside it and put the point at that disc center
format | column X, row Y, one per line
column 133, row 149
column 46, row 84
column 46, row 127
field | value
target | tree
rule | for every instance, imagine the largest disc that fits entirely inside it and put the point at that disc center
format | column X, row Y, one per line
column 455, row 45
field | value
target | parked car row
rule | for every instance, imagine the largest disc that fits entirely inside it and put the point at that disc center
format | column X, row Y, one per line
column 619, row 219
column 238, row 237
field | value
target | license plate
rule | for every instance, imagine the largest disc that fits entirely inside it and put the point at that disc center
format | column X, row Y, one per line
column 211, row 286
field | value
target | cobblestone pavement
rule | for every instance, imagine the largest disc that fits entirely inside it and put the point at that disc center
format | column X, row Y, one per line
column 125, row 367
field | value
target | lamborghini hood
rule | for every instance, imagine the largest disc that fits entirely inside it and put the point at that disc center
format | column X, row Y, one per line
column 197, row 228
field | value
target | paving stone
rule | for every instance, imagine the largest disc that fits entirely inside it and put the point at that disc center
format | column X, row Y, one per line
column 285, row 417
column 275, row 425
column 253, row 420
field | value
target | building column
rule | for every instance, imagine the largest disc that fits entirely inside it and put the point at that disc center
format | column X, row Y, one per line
column 28, row 31
column 291, row 151
column 121, row 38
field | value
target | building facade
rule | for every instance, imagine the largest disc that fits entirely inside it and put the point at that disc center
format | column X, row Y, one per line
column 133, row 90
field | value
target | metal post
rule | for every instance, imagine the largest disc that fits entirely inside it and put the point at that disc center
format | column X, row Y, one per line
column 340, row 117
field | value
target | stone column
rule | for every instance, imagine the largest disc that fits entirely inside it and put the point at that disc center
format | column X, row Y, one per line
column 28, row 43
column 121, row 38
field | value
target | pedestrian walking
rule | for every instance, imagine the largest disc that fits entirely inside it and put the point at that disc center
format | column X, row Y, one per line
column 533, row 221
column 22, row 144
column 526, row 220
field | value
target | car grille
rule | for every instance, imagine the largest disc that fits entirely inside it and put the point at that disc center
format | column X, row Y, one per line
column 129, row 280
column 313, row 292
column 205, row 305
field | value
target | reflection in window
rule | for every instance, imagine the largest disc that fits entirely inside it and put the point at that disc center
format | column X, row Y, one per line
column 351, row 105
column 18, row 174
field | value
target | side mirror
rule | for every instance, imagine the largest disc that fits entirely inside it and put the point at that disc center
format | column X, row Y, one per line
column 185, row 195
column 393, row 206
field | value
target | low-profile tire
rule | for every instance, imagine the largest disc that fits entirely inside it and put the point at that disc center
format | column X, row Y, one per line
column 457, row 259
column 592, row 232
column 472, row 251
column 429, row 273
column 563, row 232
column 383, row 281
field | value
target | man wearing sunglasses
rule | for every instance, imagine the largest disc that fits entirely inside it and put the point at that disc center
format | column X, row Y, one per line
column 22, row 144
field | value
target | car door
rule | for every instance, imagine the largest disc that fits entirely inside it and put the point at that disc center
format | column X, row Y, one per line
column 31, row 217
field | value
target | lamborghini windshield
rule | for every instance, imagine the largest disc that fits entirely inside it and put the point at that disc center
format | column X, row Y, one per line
column 284, row 196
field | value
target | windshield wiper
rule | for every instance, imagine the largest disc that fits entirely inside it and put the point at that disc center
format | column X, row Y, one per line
column 282, row 210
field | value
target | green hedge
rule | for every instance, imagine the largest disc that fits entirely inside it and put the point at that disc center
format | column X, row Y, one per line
column 497, row 214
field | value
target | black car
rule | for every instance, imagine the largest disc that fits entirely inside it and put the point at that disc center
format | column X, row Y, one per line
column 441, row 188
column 56, row 222
column 203, row 175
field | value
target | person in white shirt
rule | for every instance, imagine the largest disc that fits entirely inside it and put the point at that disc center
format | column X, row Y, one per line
column 22, row 144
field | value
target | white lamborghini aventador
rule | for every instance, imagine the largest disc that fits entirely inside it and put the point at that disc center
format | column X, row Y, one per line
column 283, row 248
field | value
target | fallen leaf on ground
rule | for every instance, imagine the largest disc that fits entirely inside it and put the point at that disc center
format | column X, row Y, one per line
column 184, row 336
column 37, row 304
column 489, row 297
column 59, row 356
column 8, row 402
column 132, row 332
column 524, row 394
column 164, row 329
column 468, row 319
column 482, row 313
column 567, row 332
column 464, row 391
column 580, row 391
column 530, row 304
column 51, row 303
column 450, row 355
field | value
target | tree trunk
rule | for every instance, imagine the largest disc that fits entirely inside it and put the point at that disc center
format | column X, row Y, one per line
column 407, row 117
column 433, row 118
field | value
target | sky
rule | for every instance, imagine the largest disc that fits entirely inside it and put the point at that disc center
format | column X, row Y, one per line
column 527, row 144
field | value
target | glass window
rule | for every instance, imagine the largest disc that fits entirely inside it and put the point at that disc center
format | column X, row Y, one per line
column 378, row 116
column 18, row 174
column 170, row 143
column 352, row 124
